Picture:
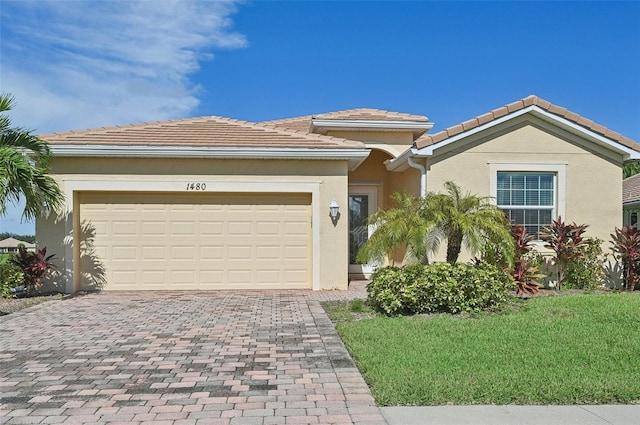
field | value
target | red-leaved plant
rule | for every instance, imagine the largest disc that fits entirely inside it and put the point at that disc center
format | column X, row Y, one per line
column 524, row 272
column 567, row 243
column 626, row 248
column 34, row 266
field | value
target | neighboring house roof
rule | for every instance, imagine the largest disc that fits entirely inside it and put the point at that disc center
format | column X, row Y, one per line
column 432, row 139
column 14, row 243
column 199, row 132
column 631, row 189
column 361, row 114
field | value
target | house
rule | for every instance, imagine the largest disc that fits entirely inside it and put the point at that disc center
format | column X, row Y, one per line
column 10, row 245
column 216, row 203
column 631, row 199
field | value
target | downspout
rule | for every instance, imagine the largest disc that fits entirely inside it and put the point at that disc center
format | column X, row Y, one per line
column 423, row 176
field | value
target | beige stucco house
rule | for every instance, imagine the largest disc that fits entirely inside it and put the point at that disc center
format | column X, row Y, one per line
column 10, row 245
column 215, row 203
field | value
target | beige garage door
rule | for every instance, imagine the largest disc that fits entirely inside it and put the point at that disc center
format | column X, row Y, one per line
column 156, row 241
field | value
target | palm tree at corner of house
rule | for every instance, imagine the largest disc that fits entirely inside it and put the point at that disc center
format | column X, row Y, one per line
column 466, row 220
column 24, row 164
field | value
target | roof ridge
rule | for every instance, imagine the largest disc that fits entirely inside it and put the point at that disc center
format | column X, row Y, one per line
column 372, row 110
column 307, row 135
column 531, row 100
column 136, row 125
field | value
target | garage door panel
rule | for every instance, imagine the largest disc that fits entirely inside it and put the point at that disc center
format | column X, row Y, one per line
column 124, row 277
column 124, row 253
column 154, row 278
column 271, row 252
column 154, row 253
column 124, row 228
column 183, row 253
column 211, row 252
column 154, row 227
column 201, row 241
column 211, row 228
column 268, row 228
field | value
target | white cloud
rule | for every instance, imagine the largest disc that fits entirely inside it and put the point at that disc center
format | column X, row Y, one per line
column 81, row 64
column 88, row 63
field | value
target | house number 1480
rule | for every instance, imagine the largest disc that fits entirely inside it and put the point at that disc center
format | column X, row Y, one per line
column 196, row 186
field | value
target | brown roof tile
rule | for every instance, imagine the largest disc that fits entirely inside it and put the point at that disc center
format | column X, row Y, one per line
column 631, row 189
column 371, row 114
column 431, row 139
column 203, row 132
column 361, row 114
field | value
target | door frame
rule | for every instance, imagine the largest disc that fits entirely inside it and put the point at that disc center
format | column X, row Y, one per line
column 372, row 192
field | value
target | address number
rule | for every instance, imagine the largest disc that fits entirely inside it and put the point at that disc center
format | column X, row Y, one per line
column 196, row 186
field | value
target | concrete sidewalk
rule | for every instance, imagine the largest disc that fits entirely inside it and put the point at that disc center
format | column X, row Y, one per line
column 513, row 415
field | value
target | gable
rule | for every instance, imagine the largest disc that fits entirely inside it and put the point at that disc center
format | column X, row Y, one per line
column 531, row 108
column 525, row 137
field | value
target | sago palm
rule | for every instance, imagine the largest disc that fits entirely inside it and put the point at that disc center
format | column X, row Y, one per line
column 466, row 220
column 24, row 161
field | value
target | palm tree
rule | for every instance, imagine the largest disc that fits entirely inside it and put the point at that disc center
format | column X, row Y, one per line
column 24, row 162
column 421, row 225
column 468, row 220
column 402, row 226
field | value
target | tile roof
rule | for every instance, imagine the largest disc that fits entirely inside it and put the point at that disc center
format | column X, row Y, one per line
column 14, row 243
column 431, row 139
column 371, row 115
column 200, row 132
column 361, row 114
column 631, row 189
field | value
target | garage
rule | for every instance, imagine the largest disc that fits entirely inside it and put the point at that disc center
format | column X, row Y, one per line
column 198, row 241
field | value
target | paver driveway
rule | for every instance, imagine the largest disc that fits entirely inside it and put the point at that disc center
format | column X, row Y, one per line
column 269, row 357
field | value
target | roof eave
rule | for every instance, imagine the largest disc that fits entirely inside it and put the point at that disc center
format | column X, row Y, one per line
column 355, row 156
column 418, row 128
column 401, row 162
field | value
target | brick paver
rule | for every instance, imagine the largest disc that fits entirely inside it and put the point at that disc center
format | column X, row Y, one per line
column 256, row 357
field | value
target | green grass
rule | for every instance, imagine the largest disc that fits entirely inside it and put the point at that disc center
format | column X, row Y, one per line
column 579, row 349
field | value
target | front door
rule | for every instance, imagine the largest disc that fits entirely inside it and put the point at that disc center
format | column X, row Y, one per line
column 362, row 203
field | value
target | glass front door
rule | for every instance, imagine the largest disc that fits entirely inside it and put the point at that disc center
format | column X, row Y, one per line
column 362, row 203
column 358, row 225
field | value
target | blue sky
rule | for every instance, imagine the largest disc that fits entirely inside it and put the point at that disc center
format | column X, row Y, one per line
column 81, row 64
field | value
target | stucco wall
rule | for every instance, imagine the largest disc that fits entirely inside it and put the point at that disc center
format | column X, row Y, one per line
column 593, row 182
column 327, row 178
column 394, row 142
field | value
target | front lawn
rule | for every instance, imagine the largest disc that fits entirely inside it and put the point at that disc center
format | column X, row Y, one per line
column 571, row 349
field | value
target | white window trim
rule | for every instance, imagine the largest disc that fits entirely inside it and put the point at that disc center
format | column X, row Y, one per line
column 558, row 169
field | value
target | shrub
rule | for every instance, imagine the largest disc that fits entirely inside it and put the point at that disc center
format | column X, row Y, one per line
column 587, row 271
column 10, row 277
column 525, row 272
column 34, row 266
column 567, row 243
column 438, row 287
column 626, row 249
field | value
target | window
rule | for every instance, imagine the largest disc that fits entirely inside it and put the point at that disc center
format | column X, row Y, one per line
column 528, row 199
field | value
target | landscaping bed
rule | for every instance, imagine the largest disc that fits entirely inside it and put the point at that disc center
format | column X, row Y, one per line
column 11, row 305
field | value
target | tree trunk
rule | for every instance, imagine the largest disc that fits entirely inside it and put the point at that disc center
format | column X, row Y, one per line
column 454, row 246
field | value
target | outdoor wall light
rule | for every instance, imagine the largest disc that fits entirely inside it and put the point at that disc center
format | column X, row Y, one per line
column 334, row 209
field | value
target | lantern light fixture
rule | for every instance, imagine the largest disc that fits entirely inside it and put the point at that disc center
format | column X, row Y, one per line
column 334, row 209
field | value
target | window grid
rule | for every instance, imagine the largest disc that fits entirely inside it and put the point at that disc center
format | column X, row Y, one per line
column 528, row 199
